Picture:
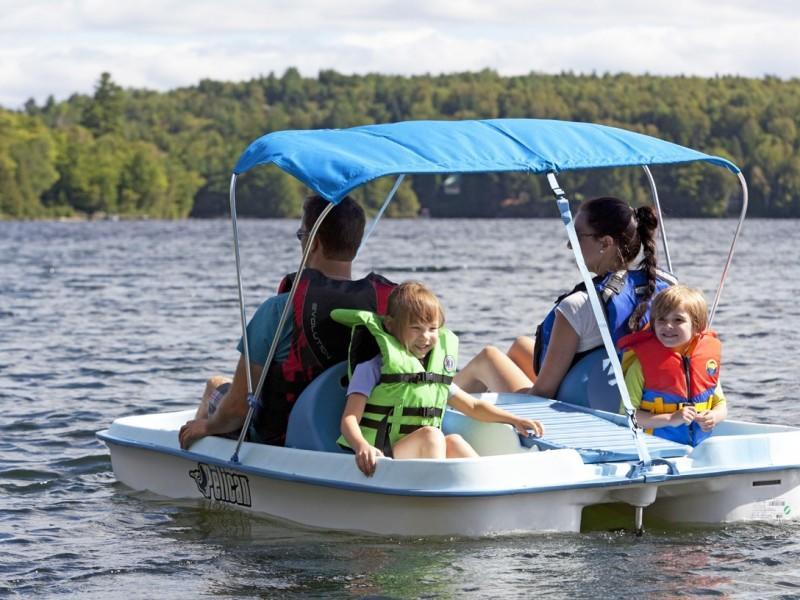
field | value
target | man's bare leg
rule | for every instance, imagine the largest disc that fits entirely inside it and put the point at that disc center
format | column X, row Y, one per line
column 211, row 386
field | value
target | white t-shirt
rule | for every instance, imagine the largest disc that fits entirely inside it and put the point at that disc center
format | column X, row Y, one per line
column 577, row 310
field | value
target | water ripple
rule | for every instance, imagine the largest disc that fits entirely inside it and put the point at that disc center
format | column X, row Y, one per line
column 100, row 321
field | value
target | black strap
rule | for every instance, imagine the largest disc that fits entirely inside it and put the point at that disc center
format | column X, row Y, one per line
column 405, row 429
column 382, row 427
column 417, row 378
column 371, row 423
column 382, row 440
column 426, row 412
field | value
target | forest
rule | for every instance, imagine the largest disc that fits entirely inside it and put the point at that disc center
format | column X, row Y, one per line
column 136, row 153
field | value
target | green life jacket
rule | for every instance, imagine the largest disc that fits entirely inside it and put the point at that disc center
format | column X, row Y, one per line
column 409, row 395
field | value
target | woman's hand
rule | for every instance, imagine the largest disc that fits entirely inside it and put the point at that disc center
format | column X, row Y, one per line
column 367, row 459
column 525, row 426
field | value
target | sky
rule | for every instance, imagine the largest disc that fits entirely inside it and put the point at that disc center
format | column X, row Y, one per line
column 60, row 47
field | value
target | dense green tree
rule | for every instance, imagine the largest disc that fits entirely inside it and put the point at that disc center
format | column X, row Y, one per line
column 140, row 152
column 27, row 156
column 269, row 192
column 103, row 114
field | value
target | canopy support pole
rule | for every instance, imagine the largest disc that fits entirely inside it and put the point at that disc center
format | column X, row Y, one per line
column 600, row 317
column 378, row 216
column 657, row 204
column 713, row 311
column 239, row 281
column 253, row 396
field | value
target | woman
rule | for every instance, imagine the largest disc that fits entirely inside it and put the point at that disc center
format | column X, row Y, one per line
column 611, row 235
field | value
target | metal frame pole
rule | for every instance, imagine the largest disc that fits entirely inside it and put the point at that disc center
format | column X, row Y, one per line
column 378, row 216
column 654, row 196
column 254, row 395
column 713, row 311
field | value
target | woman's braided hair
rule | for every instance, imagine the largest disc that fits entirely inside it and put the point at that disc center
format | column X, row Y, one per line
column 632, row 230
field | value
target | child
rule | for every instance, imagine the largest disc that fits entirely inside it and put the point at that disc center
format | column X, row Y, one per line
column 396, row 400
column 672, row 369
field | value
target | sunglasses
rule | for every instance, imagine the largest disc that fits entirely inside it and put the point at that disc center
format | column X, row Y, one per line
column 301, row 234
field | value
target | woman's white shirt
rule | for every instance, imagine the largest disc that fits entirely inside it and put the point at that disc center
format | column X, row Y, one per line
column 577, row 310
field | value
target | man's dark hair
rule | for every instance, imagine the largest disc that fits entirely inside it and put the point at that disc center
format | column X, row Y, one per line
column 341, row 230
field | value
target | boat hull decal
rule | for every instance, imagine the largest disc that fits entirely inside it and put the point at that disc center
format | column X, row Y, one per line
column 222, row 485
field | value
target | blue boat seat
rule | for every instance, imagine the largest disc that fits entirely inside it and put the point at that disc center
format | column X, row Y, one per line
column 315, row 417
column 591, row 383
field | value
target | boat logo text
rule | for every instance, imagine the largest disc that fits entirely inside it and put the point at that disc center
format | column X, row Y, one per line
column 222, row 485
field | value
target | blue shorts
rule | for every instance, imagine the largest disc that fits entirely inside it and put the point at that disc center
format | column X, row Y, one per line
column 215, row 397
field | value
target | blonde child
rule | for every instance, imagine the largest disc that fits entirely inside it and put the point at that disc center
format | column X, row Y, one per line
column 672, row 369
column 396, row 400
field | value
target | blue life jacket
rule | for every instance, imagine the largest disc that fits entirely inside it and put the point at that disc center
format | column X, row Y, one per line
column 620, row 292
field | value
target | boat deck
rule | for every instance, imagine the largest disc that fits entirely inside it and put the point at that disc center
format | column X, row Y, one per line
column 597, row 437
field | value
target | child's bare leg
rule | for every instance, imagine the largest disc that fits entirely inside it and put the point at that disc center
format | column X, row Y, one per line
column 425, row 442
column 492, row 370
column 521, row 353
column 211, row 385
column 457, row 447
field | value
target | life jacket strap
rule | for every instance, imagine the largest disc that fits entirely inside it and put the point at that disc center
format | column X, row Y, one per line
column 423, row 377
column 382, row 440
column 379, row 426
column 378, row 409
column 659, row 407
column 426, row 412
column 613, row 286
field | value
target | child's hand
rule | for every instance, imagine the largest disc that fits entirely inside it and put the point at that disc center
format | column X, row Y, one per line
column 682, row 416
column 707, row 420
column 525, row 426
column 367, row 459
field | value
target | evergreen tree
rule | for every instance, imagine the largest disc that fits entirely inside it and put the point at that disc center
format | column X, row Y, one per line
column 104, row 113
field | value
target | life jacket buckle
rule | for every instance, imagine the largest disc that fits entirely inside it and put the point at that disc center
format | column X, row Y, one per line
column 428, row 412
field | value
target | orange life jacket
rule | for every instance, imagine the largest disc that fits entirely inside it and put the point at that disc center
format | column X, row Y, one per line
column 673, row 380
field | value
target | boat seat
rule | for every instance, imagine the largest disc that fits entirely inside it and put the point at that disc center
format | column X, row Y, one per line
column 316, row 414
column 591, row 382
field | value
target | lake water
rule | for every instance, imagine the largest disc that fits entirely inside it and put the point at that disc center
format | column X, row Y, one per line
column 100, row 320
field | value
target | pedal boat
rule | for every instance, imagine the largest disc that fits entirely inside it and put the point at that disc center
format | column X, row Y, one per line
column 589, row 456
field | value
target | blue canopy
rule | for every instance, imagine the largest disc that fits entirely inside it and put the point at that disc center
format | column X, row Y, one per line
column 333, row 162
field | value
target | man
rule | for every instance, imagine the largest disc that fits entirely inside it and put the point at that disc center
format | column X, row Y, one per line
column 310, row 341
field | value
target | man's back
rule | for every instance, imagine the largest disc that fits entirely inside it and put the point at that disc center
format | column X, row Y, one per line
column 317, row 343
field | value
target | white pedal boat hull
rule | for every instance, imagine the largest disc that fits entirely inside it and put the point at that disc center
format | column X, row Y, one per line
column 745, row 476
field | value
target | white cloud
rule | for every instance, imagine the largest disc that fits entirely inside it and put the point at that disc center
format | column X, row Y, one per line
column 60, row 47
